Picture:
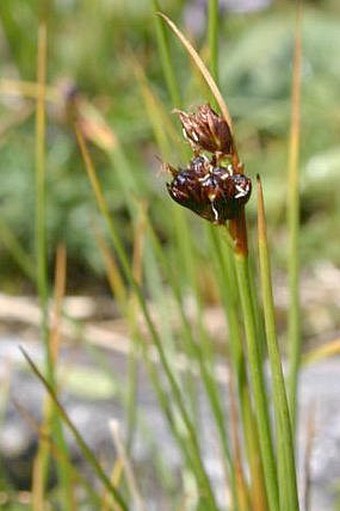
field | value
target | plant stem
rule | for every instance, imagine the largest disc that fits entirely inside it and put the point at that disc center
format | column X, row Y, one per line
column 213, row 37
column 42, row 275
column 166, row 60
column 285, row 452
column 42, row 457
column 40, row 199
column 293, row 212
column 257, row 381
column 226, row 277
column 86, row 451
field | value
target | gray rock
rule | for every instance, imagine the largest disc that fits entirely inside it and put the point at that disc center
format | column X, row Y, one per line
column 319, row 388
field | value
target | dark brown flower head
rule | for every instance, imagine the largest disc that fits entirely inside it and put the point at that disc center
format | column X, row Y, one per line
column 214, row 193
column 206, row 130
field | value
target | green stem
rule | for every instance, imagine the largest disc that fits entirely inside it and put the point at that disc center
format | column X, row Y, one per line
column 285, row 453
column 165, row 58
column 40, row 215
column 293, row 212
column 40, row 192
column 294, row 334
column 257, row 382
column 213, row 37
column 42, row 271
column 226, row 277
column 86, row 451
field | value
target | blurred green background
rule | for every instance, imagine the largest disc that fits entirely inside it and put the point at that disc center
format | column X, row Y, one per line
column 94, row 46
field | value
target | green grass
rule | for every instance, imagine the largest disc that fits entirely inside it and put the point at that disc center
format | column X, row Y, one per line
column 98, row 191
column 257, row 95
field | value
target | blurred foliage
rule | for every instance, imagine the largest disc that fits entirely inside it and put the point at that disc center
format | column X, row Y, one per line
column 93, row 44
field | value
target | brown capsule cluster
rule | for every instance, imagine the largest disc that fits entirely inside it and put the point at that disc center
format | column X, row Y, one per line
column 210, row 186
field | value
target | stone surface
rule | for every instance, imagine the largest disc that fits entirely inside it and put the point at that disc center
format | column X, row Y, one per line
column 319, row 393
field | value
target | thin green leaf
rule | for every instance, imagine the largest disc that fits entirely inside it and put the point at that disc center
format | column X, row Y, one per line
column 166, row 60
column 255, row 365
column 293, row 215
column 285, row 451
column 213, row 18
column 88, row 454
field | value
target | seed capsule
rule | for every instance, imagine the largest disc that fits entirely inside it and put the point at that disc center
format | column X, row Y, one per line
column 211, row 192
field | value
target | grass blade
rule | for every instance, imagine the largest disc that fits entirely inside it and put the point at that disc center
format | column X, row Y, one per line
column 293, row 217
column 285, row 451
column 87, row 453
column 40, row 198
column 75, row 476
column 226, row 277
column 213, row 37
column 52, row 419
column 257, row 382
column 166, row 60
